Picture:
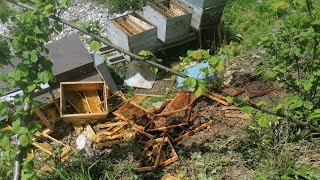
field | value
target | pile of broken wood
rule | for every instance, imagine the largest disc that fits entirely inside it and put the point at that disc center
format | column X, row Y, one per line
column 113, row 119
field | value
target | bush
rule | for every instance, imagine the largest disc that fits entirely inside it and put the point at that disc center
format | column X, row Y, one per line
column 120, row 6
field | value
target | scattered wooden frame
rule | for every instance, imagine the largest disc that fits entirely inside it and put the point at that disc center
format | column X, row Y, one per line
column 184, row 119
column 151, row 152
column 46, row 147
column 85, row 103
column 48, row 114
column 194, row 128
column 115, row 101
column 182, row 100
column 172, row 157
column 135, row 115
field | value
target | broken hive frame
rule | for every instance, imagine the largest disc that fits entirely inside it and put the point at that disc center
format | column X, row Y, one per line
column 151, row 155
column 117, row 138
column 84, row 98
column 182, row 100
column 183, row 115
column 47, row 148
column 194, row 129
column 48, row 114
column 85, row 129
column 168, row 154
column 135, row 115
column 115, row 101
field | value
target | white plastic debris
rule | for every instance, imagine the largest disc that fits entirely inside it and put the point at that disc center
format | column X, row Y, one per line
column 83, row 142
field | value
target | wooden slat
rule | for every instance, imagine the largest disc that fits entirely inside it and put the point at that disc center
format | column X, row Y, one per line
column 45, row 147
column 81, row 86
column 75, row 99
column 93, row 101
column 43, row 118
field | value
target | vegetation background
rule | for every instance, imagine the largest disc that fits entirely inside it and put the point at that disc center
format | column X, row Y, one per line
column 273, row 40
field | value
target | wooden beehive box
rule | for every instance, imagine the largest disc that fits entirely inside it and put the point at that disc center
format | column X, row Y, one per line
column 83, row 101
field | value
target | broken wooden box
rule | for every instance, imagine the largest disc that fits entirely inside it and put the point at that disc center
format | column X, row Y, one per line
column 48, row 114
column 83, row 101
column 48, row 144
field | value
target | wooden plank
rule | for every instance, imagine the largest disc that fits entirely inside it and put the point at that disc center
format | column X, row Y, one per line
column 217, row 99
column 55, row 101
column 83, row 118
column 237, row 115
column 93, row 100
column 45, row 147
column 77, row 101
column 81, row 86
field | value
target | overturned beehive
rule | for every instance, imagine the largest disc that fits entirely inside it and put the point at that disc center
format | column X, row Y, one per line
column 133, row 33
column 171, row 19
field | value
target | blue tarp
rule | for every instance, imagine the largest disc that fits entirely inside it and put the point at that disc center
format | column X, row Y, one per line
column 194, row 72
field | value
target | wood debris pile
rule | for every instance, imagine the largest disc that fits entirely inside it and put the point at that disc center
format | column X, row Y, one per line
column 113, row 119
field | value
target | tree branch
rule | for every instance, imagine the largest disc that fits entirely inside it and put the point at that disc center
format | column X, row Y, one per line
column 267, row 111
column 134, row 56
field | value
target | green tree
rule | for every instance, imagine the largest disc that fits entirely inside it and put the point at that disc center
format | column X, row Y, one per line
column 30, row 31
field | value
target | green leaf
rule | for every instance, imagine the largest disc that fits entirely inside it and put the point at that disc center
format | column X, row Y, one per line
column 31, row 87
column 262, row 103
column 24, row 140
column 49, row 9
column 23, row 130
column 65, row 3
column 270, row 74
column 307, row 86
column 45, row 77
column 230, row 99
column 263, row 122
column 144, row 53
column 38, row 31
column 15, row 126
column 190, row 82
column 95, row 46
column 16, row 44
column 197, row 55
column 198, row 92
column 220, row 66
column 33, row 57
column 5, row 142
column 206, row 54
column 154, row 69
